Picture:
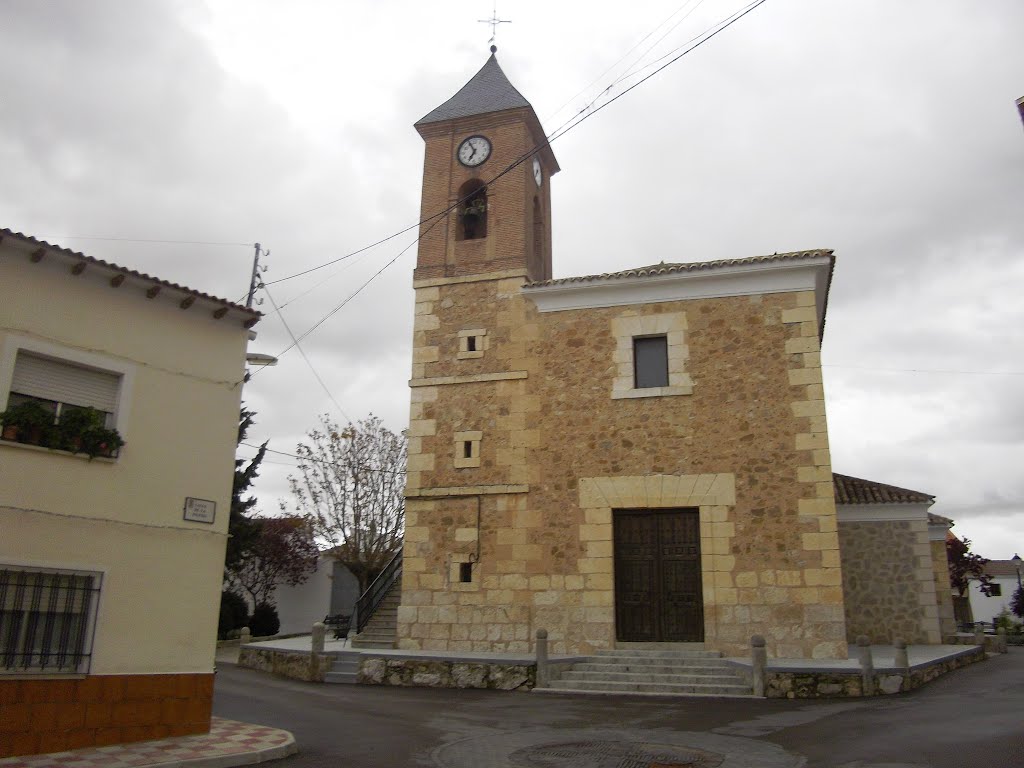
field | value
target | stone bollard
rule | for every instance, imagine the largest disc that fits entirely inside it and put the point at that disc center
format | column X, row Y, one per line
column 759, row 660
column 979, row 634
column 542, row 659
column 1000, row 645
column 867, row 666
column 244, row 637
column 319, row 634
column 901, row 660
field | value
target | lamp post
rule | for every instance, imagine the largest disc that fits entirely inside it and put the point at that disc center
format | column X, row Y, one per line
column 1017, row 562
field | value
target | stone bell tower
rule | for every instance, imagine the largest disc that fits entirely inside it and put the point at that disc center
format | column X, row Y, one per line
column 486, row 232
column 498, row 217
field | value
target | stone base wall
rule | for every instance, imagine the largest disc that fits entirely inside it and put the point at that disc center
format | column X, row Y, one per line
column 297, row 665
column 820, row 685
column 54, row 715
column 889, row 581
column 432, row 673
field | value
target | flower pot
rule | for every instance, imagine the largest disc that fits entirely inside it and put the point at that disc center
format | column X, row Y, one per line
column 10, row 432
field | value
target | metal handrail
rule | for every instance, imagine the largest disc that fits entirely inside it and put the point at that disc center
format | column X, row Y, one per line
column 375, row 593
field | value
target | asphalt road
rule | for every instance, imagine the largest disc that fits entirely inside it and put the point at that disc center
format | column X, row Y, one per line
column 971, row 718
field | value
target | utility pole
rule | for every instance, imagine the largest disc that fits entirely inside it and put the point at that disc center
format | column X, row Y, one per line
column 255, row 275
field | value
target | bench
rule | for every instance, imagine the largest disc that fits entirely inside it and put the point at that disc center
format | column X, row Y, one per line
column 340, row 623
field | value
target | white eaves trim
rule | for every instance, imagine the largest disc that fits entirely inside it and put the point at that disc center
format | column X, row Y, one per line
column 878, row 513
column 808, row 274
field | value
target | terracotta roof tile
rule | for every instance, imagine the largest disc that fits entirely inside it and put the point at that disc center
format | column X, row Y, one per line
column 854, row 490
column 1002, row 568
column 76, row 255
column 664, row 268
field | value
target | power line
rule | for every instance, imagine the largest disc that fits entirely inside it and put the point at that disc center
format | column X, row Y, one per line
column 627, row 53
column 436, row 218
column 295, row 343
column 557, row 134
column 324, row 461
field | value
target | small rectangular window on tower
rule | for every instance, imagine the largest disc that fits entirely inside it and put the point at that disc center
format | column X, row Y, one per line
column 465, row 572
column 650, row 358
column 467, row 449
column 472, row 343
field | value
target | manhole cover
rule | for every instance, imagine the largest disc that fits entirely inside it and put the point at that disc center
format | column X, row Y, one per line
column 613, row 754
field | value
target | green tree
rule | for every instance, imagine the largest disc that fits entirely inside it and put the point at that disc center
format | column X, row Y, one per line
column 1017, row 603
column 243, row 531
column 964, row 566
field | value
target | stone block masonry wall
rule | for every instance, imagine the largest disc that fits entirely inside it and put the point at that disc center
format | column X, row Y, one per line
column 943, row 590
column 53, row 715
column 889, row 581
column 744, row 441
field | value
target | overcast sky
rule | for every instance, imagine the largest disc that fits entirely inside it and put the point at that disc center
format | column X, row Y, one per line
column 884, row 130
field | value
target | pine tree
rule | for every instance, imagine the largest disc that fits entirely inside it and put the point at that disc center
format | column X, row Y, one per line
column 242, row 530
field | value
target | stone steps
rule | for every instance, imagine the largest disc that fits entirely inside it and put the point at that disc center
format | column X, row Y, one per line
column 382, row 629
column 345, row 669
column 679, row 671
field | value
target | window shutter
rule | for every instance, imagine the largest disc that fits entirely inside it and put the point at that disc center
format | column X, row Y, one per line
column 650, row 358
column 64, row 382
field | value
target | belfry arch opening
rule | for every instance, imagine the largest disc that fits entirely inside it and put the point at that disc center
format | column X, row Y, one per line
column 472, row 211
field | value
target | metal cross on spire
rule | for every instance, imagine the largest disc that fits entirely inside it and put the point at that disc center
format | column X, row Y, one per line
column 494, row 21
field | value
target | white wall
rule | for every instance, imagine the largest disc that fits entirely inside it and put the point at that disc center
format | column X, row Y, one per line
column 987, row 608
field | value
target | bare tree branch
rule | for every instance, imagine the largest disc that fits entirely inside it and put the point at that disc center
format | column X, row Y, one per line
column 350, row 489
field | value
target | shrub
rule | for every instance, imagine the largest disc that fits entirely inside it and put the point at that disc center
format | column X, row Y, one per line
column 234, row 614
column 264, row 621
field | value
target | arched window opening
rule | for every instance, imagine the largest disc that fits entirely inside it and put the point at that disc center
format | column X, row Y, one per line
column 472, row 211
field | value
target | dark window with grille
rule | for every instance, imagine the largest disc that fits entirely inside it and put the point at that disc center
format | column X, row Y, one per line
column 46, row 620
column 650, row 361
column 996, row 590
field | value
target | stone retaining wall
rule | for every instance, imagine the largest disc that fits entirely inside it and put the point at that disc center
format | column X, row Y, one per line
column 298, row 665
column 433, row 673
column 809, row 684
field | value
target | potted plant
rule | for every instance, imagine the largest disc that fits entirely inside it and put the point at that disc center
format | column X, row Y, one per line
column 100, row 441
column 28, row 422
column 73, row 424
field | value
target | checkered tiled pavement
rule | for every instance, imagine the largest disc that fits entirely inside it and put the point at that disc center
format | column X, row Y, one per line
column 228, row 743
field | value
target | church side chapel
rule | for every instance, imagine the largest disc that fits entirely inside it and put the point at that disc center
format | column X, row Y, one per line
column 633, row 457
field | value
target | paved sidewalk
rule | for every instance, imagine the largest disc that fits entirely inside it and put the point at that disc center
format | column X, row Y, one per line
column 229, row 743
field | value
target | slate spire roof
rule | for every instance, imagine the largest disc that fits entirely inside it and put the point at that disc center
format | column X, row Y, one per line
column 487, row 91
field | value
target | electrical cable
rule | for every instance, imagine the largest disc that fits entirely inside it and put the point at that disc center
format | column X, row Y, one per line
column 324, row 461
column 558, row 133
column 295, row 343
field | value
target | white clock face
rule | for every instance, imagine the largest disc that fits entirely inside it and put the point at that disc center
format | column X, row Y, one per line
column 538, row 175
column 474, row 151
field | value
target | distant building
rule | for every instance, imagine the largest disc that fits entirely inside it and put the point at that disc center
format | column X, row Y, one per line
column 1006, row 575
column 111, row 567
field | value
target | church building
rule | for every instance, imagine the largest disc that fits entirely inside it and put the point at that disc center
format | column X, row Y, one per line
column 633, row 457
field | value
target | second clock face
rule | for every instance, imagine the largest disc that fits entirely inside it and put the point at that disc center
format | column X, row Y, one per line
column 538, row 174
column 474, row 151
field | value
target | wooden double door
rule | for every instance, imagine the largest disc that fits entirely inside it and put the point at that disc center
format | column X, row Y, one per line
column 658, row 595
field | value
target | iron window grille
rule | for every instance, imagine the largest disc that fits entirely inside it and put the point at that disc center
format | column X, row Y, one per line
column 47, row 618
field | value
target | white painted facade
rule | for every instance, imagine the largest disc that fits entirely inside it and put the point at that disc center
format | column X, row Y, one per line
column 179, row 357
